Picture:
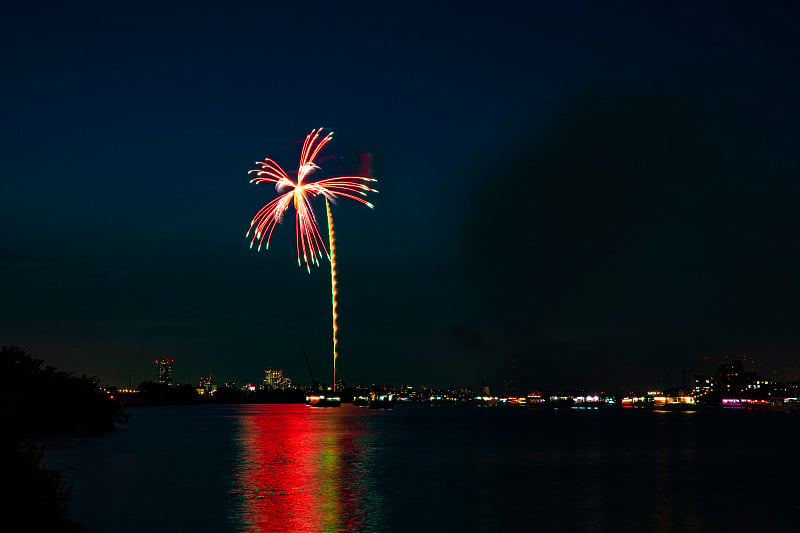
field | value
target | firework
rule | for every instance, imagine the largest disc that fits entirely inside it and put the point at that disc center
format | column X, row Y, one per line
column 299, row 193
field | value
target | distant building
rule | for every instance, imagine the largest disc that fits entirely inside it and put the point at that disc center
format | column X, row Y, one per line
column 511, row 385
column 275, row 380
column 207, row 384
column 679, row 402
column 732, row 381
column 165, row 370
column 730, row 377
column 703, row 385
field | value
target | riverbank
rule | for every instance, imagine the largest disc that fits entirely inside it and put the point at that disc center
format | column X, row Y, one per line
column 39, row 401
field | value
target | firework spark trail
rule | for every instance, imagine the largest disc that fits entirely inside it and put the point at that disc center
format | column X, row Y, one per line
column 334, row 292
column 309, row 241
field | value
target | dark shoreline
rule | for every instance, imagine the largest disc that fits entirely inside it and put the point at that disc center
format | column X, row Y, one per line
column 39, row 401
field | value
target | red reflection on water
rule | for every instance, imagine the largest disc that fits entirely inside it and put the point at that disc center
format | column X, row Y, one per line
column 291, row 476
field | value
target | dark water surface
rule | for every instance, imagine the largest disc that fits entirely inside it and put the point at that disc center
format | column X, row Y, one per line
column 296, row 469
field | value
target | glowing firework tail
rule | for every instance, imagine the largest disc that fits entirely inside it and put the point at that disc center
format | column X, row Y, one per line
column 299, row 193
column 332, row 242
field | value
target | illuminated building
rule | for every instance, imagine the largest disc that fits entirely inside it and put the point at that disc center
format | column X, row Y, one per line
column 535, row 399
column 730, row 377
column 275, row 380
column 639, row 400
column 703, row 385
column 674, row 403
column 732, row 381
column 732, row 384
column 165, row 371
column 744, row 403
column 207, row 384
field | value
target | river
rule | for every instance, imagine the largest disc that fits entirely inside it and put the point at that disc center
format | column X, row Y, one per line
column 291, row 468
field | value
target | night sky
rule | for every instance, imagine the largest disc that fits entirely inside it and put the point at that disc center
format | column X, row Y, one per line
column 574, row 194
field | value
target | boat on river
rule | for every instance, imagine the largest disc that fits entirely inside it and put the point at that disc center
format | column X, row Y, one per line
column 361, row 401
column 321, row 400
column 381, row 400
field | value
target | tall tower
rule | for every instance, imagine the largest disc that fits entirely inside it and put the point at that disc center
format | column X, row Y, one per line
column 165, row 369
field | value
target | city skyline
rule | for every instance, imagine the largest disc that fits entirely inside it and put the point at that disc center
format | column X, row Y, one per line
column 730, row 386
column 688, row 380
column 585, row 193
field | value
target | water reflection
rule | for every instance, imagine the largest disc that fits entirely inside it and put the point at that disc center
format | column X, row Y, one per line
column 305, row 469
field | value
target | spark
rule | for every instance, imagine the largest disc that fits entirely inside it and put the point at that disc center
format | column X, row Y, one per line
column 299, row 193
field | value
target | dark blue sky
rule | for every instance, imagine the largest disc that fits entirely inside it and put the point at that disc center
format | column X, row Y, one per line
column 592, row 194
